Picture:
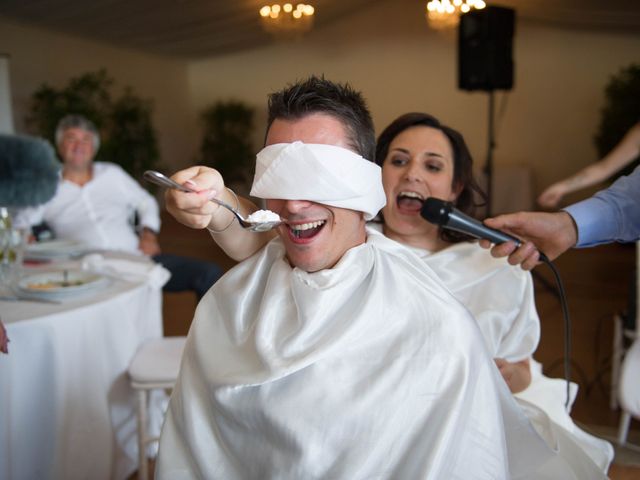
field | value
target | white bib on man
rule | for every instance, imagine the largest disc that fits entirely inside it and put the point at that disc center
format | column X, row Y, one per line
column 370, row 369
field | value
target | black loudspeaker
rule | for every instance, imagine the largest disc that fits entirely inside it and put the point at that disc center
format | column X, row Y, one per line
column 485, row 49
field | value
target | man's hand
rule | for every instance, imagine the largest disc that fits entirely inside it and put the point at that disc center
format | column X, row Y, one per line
column 517, row 374
column 149, row 243
column 551, row 233
column 194, row 209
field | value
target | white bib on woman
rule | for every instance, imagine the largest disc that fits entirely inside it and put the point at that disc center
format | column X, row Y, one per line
column 501, row 298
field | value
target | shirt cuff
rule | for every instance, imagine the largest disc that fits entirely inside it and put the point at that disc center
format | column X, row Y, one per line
column 594, row 221
column 152, row 222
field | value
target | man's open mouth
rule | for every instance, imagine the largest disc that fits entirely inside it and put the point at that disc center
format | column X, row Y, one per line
column 409, row 201
column 305, row 231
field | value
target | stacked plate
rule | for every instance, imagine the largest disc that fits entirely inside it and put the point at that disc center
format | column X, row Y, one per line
column 58, row 284
column 54, row 250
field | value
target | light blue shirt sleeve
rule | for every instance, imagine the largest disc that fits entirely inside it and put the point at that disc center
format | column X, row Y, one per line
column 610, row 215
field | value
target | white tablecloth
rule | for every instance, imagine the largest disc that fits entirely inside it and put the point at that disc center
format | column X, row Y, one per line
column 66, row 409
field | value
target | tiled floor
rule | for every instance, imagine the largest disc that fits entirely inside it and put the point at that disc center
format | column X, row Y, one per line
column 596, row 281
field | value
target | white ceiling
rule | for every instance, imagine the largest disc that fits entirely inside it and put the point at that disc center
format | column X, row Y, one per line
column 202, row 28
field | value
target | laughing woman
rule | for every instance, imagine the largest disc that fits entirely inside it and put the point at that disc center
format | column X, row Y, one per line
column 422, row 158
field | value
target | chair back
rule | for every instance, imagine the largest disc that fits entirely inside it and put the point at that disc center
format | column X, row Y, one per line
column 629, row 390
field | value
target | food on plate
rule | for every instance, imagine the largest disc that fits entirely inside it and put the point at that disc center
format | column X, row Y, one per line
column 51, row 284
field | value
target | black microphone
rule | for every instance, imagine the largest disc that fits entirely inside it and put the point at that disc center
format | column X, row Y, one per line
column 29, row 171
column 445, row 215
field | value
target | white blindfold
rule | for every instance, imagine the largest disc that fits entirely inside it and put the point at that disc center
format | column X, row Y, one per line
column 319, row 173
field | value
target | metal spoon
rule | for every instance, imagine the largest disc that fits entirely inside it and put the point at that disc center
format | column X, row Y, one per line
column 164, row 181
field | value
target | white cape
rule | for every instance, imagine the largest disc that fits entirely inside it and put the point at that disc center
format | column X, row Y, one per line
column 367, row 370
column 501, row 298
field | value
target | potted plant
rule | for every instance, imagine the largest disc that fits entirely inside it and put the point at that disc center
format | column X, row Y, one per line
column 226, row 144
column 128, row 137
column 620, row 112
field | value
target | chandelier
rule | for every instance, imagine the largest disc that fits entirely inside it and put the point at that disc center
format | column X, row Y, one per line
column 445, row 14
column 287, row 20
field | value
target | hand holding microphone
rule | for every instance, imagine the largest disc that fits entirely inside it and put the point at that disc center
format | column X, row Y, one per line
column 553, row 233
column 445, row 215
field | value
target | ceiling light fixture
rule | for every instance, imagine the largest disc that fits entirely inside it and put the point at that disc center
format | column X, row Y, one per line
column 445, row 14
column 287, row 20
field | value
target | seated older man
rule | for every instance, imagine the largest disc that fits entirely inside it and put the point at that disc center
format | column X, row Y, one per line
column 95, row 202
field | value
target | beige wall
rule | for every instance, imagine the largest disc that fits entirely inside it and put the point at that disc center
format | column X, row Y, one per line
column 38, row 56
column 387, row 52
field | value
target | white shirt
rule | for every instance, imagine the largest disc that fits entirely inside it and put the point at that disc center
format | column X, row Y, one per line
column 610, row 215
column 97, row 214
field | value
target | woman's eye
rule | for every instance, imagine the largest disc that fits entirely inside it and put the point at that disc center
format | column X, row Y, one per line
column 433, row 167
column 398, row 162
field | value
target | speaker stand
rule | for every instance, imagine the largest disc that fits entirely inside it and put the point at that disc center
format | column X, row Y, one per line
column 488, row 166
column 488, row 170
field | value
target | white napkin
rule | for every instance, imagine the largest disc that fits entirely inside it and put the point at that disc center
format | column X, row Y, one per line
column 129, row 270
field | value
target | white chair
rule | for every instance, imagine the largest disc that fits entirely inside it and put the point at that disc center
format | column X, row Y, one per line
column 628, row 385
column 629, row 390
column 621, row 335
column 155, row 366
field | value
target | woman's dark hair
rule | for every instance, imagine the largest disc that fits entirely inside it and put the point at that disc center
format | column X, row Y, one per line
column 318, row 95
column 463, row 178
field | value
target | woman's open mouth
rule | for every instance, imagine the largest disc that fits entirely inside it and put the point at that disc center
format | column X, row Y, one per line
column 409, row 202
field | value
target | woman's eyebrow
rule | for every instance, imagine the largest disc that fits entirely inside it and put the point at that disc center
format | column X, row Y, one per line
column 399, row 149
column 429, row 154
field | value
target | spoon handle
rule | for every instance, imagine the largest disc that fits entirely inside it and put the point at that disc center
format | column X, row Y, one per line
column 164, row 181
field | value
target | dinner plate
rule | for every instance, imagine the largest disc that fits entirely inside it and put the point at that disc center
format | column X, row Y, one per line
column 54, row 250
column 54, row 284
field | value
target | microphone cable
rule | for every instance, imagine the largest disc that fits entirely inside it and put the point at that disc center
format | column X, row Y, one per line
column 567, row 326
